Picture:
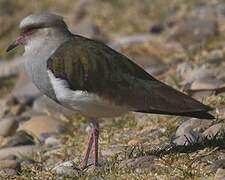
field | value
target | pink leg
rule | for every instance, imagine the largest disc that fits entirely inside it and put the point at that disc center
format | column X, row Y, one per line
column 95, row 132
column 93, row 141
column 95, row 144
column 84, row 162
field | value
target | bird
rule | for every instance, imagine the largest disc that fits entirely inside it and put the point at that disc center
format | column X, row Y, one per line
column 92, row 79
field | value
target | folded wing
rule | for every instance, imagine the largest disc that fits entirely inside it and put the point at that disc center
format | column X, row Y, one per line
column 91, row 66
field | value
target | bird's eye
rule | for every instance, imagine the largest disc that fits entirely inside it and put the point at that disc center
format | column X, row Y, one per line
column 29, row 30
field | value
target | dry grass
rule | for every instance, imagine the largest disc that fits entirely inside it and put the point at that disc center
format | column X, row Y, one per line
column 117, row 18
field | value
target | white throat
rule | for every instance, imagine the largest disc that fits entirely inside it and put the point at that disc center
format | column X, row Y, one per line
column 38, row 49
column 43, row 42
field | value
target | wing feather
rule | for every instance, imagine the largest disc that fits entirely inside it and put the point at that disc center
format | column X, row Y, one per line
column 91, row 66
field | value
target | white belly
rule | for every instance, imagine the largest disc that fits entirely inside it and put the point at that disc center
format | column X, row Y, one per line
column 87, row 104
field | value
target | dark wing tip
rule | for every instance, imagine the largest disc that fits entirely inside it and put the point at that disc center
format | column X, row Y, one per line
column 195, row 114
column 199, row 115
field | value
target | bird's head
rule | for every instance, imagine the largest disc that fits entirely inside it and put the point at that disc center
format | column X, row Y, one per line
column 35, row 26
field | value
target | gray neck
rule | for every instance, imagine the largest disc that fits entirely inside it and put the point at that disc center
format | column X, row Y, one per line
column 37, row 52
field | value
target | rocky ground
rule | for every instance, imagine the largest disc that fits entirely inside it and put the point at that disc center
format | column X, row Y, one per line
column 179, row 42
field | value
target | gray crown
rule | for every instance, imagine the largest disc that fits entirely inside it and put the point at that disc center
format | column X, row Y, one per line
column 41, row 20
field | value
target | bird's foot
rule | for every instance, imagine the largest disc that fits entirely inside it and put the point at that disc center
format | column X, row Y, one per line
column 89, row 166
column 83, row 167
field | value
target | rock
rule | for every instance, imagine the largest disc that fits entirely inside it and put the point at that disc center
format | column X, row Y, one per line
column 209, row 83
column 10, row 157
column 80, row 9
column 24, row 90
column 11, row 68
column 43, row 126
column 52, row 141
column 6, row 8
column 4, row 107
column 194, row 124
column 197, row 73
column 214, row 130
column 203, row 11
column 220, row 174
column 19, row 151
column 19, row 139
column 221, row 112
column 87, row 28
column 6, row 24
column 190, row 131
column 200, row 95
column 152, row 64
column 6, row 173
column 215, row 56
column 133, row 142
column 65, row 168
column 194, row 32
column 10, row 164
column 213, row 11
column 188, row 138
column 17, row 110
column 220, row 163
column 8, row 126
column 183, row 68
column 111, row 151
column 130, row 40
column 156, row 28
column 145, row 162
column 44, row 104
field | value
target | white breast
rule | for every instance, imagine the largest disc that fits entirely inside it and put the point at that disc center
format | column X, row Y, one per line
column 88, row 104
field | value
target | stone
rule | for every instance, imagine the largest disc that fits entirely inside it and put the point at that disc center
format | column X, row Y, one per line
column 87, row 28
column 134, row 142
column 11, row 68
column 19, row 139
column 197, row 73
column 111, row 151
column 193, row 124
column 43, row 126
column 52, row 141
column 6, row 8
column 220, row 163
column 214, row 130
column 152, row 64
column 201, row 94
column 44, row 105
column 208, row 83
column 220, row 174
column 17, row 109
column 145, row 162
column 183, row 68
column 25, row 90
column 156, row 28
column 10, row 164
column 187, row 138
column 190, row 131
column 6, row 24
column 8, row 126
column 194, row 32
column 221, row 112
column 215, row 56
column 19, row 151
column 6, row 173
column 130, row 40
column 65, row 168
column 4, row 107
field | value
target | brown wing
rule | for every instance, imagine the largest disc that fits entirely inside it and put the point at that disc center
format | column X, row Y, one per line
column 94, row 67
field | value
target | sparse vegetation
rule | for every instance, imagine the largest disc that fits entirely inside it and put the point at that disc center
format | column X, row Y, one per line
column 134, row 135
